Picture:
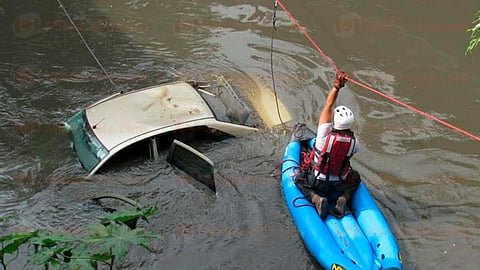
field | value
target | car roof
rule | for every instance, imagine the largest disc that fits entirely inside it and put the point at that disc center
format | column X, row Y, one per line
column 124, row 116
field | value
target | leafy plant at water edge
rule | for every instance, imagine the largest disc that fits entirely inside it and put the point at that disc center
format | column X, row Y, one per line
column 474, row 34
column 128, row 217
column 104, row 243
column 11, row 243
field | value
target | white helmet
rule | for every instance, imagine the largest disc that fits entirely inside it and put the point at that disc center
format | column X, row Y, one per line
column 342, row 118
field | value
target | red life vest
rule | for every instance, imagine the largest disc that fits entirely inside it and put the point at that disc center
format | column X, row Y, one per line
column 334, row 157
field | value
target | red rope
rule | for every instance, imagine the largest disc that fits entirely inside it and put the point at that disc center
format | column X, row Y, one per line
column 416, row 110
column 330, row 62
column 304, row 31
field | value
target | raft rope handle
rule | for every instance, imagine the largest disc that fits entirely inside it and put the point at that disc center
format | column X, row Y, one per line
column 286, row 169
column 85, row 42
column 330, row 62
column 302, row 204
column 291, row 167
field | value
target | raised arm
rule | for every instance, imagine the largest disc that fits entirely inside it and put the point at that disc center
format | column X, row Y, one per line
column 327, row 111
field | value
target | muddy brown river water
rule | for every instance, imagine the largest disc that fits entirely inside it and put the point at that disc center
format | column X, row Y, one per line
column 423, row 175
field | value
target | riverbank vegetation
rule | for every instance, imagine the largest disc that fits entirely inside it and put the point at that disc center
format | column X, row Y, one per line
column 105, row 244
column 474, row 34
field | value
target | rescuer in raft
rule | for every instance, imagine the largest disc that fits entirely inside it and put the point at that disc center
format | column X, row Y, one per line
column 330, row 178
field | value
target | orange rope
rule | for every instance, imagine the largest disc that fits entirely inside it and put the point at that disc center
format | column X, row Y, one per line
column 330, row 62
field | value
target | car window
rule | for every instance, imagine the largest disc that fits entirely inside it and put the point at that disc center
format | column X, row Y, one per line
column 89, row 149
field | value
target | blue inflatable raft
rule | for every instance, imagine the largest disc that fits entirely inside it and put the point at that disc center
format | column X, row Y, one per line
column 360, row 240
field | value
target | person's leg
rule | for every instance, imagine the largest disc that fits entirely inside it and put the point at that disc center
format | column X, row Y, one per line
column 346, row 188
column 321, row 204
column 303, row 185
column 322, row 189
column 314, row 190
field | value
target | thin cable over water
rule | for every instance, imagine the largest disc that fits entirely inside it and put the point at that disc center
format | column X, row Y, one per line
column 85, row 42
column 330, row 62
column 274, row 19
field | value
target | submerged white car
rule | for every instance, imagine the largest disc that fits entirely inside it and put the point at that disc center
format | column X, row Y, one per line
column 107, row 127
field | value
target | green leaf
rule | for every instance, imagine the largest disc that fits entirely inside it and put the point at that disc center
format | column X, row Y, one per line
column 125, row 216
column 97, row 232
column 42, row 257
column 50, row 248
column 101, row 257
column 81, row 259
column 45, row 239
column 474, row 35
column 114, row 239
column 13, row 241
column 9, row 237
column 149, row 212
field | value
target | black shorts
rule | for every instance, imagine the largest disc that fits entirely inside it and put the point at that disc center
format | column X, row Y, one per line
column 307, row 183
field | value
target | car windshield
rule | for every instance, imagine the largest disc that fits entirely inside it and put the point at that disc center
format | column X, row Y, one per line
column 89, row 149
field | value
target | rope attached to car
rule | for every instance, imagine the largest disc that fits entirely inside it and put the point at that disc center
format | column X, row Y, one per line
column 274, row 19
column 85, row 42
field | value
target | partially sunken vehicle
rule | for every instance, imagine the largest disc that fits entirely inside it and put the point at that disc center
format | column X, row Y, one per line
column 105, row 128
